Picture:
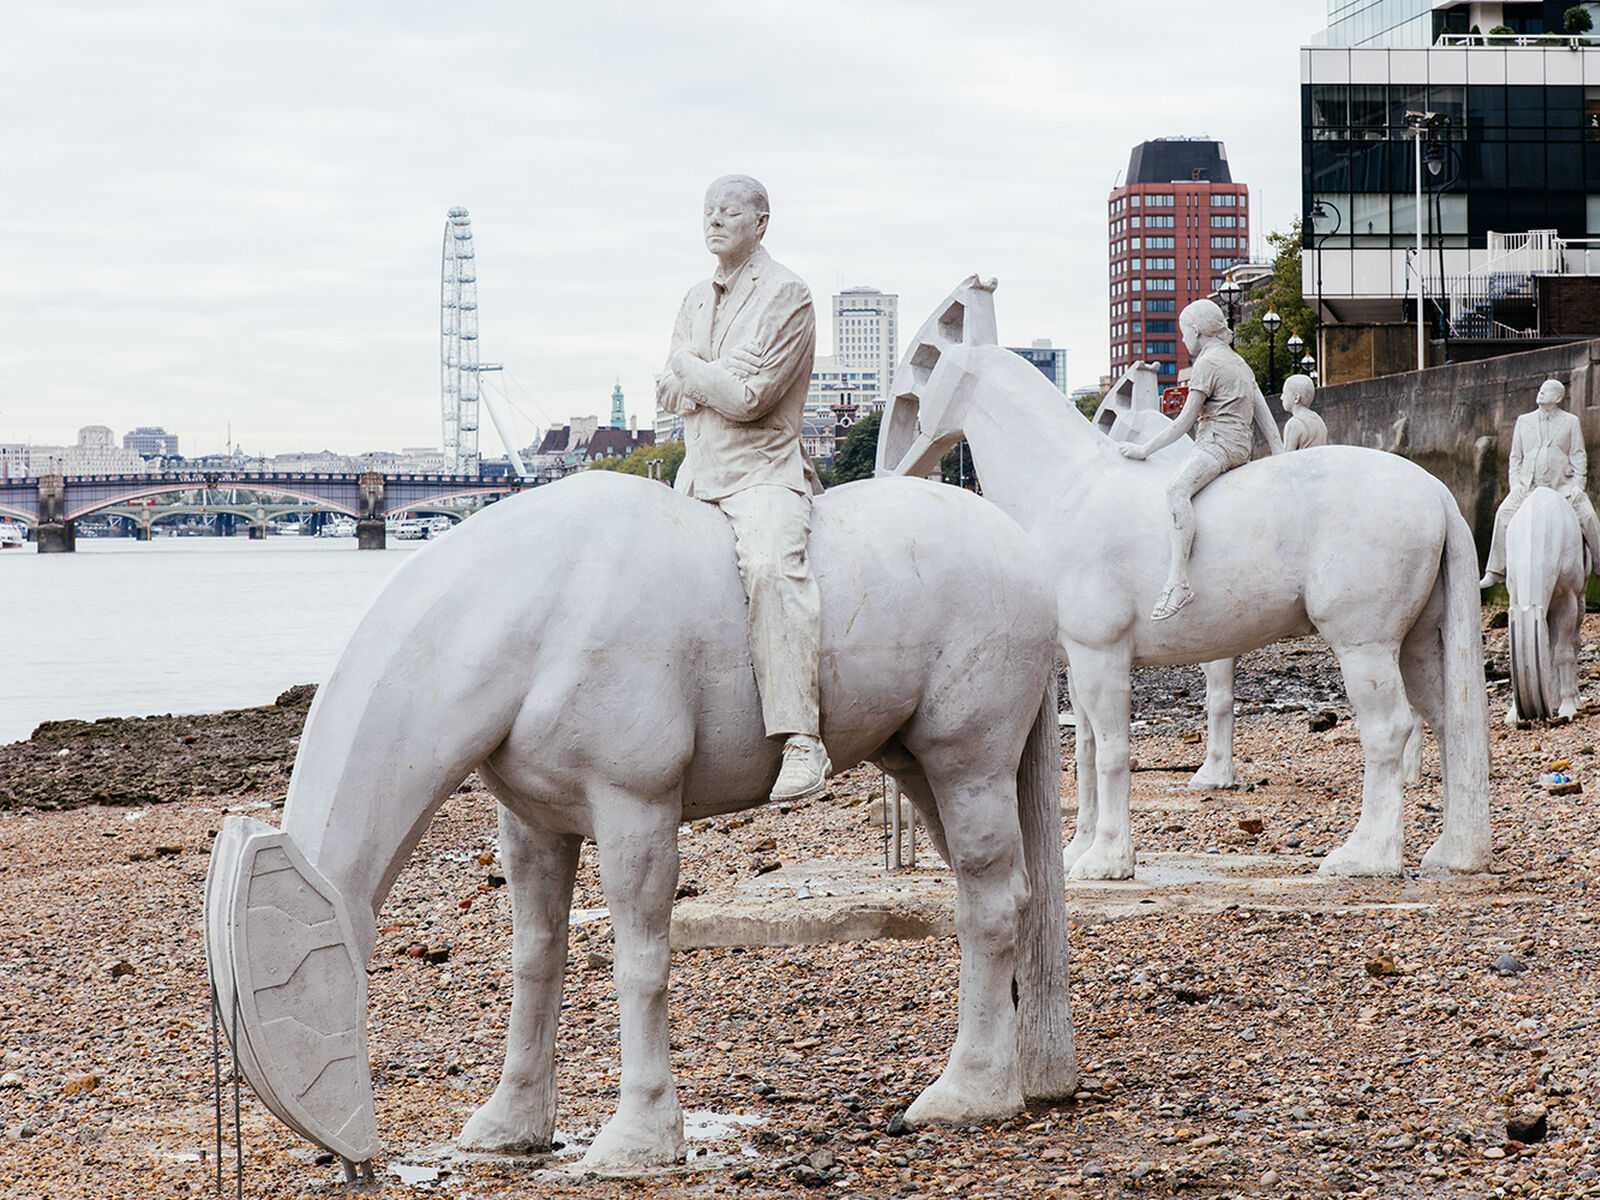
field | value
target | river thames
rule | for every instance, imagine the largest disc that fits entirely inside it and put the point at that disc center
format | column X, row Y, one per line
column 176, row 625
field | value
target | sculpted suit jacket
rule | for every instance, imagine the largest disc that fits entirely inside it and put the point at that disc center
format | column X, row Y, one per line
column 743, row 433
column 1560, row 462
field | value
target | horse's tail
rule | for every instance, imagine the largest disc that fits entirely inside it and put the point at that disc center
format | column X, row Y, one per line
column 1531, row 567
column 289, row 915
column 1044, row 1026
column 1465, row 841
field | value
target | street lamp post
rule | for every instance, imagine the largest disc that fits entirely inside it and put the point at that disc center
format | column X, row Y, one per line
column 1307, row 365
column 1271, row 323
column 1319, row 212
column 1295, row 344
column 1229, row 291
column 1420, row 123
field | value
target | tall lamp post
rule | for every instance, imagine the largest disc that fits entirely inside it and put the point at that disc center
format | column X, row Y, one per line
column 1229, row 291
column 1307, row 365
column 1319, row 212
column 1420, row 123
column 1272, row 322
column 1295, row 344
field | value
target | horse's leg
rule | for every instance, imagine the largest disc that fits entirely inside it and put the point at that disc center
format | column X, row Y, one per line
column 1217, row 770
column 1411, row 756
column 914, row 783
column 1103, row 696
column 1083, row 754
column 637, row 837
column 1566, row 619
column 540, row 865
column 982, row 1081
column 1372, row 681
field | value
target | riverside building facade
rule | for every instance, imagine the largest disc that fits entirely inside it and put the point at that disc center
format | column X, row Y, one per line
column 1451, row 170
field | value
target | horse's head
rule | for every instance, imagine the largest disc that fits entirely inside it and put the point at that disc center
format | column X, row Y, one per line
column 929, row 396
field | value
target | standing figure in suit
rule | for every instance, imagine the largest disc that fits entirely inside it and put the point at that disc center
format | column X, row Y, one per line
column 1546, row 451
column 738, row 372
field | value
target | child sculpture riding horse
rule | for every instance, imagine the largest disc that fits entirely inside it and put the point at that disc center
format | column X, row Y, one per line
column 1223, row 404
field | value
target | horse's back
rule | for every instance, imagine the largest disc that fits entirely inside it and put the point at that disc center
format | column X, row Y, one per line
column 614, row 608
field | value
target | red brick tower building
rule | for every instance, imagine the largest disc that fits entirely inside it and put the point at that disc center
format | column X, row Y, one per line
column 1174, row 228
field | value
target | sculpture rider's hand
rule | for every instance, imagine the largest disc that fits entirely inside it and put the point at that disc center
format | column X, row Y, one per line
column 742, row 361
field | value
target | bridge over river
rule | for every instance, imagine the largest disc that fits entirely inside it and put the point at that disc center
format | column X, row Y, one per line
column 51, row 504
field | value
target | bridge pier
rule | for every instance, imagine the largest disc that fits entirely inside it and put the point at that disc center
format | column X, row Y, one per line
column 57, row 537
column 370, row 530
column 55, row 534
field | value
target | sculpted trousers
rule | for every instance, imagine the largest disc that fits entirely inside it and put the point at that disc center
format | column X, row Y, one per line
column 1587, row 521
column 770, row 528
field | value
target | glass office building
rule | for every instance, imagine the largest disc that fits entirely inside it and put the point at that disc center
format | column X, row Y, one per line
column 1507, row 129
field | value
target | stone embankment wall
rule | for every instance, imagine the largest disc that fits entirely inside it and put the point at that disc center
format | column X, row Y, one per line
column 1456, row 420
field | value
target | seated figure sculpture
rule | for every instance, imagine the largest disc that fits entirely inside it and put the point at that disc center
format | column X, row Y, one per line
column 738, row 372
column 1546, row 451
column 1304, row 428
column 1223, row 404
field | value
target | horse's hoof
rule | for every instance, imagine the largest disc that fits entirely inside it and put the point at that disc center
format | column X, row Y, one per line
column 1455, row 859
column 948, row 1102
column 1098, row 864
column 628, row 1145
column 1360, row 862
column 1212, row 779
column 1076, row 849
column 494, row 1129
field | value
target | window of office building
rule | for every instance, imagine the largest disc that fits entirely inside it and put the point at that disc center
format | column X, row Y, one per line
column 1158, row 202
column 1160, row 326
column 1160, row 222
column 1159, row 243
column 1160, row 285
column 1161, row 306
column 1224, row 221
column 1161, row 264
column 1161, row 348
column 1226, row 200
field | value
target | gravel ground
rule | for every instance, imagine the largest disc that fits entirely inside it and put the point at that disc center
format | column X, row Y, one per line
column 1357, row 1039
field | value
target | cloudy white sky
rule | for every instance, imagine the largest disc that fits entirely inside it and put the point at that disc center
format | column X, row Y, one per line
column 226, row 217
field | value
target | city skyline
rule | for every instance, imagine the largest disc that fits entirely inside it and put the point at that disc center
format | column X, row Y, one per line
column 232, row 218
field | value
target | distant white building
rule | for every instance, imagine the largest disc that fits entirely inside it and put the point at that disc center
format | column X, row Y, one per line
column 96, row 453
column 866, row 337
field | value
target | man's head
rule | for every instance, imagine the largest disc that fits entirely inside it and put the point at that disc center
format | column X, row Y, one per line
column 1551, row 393
column 735, row 218
column 1202, row 319
column 1297, row 392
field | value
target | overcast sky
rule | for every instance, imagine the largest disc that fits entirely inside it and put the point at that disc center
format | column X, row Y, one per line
column 228, row 216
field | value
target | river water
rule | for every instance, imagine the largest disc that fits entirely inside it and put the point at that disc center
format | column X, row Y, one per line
column 175, row 625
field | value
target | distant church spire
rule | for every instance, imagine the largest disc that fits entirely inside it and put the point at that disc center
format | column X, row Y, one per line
column 619, row 415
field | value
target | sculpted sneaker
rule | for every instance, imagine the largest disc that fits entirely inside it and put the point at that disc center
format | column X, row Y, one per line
column 805, row 769
column 1490, row 578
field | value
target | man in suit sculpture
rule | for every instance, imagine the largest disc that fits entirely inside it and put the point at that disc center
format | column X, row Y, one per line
column 1546, row 451
column 738, row 372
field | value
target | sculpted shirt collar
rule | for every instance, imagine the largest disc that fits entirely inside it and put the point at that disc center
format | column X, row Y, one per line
column 723, row 282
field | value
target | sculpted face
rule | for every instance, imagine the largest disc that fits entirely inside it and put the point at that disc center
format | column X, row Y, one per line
column 1551, row 393
column 735, row 218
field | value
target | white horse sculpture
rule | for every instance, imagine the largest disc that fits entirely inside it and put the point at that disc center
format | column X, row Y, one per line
column 1363, row 547
column 1546, row 572
column 1131, row 412
column 584, row 648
